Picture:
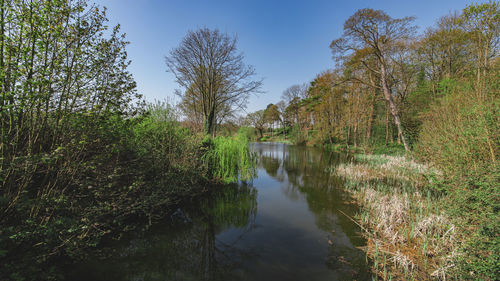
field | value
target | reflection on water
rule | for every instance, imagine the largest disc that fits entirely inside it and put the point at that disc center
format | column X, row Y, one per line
column 285, row 225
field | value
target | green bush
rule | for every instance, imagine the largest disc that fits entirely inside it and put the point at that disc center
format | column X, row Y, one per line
column 460, row 132
column 249, row 132
column 165, row 146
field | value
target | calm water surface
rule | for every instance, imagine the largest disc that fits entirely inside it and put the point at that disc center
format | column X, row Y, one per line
column 284, row 225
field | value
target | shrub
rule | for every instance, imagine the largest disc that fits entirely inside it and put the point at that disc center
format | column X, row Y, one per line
column 248, row 132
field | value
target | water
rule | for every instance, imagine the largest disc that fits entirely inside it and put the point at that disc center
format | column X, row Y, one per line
column 285, row 225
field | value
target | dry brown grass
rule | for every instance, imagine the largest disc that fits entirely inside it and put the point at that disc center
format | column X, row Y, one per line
column 382, row 167
column 417, row 240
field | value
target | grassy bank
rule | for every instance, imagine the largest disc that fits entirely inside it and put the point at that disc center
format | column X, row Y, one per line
column 409, row 234
column 278, row 139
column 412, row 222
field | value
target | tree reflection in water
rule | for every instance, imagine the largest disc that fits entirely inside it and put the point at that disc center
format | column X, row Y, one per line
column 298, row 234
column 186, row 249
column 306, row 174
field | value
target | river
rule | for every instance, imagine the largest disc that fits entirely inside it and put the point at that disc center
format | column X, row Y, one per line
column 286, row 224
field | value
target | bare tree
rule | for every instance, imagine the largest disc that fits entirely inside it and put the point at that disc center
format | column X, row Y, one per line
column 377, row 33
column 206, row 64
column 292, row 96
column 283, row 115
column 295, row 91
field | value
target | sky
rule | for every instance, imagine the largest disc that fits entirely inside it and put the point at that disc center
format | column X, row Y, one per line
column 287, row 42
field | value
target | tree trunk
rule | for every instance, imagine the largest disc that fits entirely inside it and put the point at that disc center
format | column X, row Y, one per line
column 370, row 118
column 387, row 126
column 283, row 129
column 209, row 122
column 390, row 103
column 372, row 109
column 355, row 135
column 348, row 135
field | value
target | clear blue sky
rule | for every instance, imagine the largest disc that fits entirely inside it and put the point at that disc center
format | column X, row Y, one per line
column 286, row 41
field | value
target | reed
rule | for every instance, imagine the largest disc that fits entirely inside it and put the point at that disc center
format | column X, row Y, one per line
column 229, row 159
column 406, row 226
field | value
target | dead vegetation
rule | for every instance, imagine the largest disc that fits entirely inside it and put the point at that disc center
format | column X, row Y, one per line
column 409, row 236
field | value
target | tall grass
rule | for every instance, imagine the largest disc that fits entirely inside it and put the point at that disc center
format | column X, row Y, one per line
column 409, row 234
column 229, row 158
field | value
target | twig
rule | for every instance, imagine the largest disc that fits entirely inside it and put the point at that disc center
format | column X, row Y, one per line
column 353, row 221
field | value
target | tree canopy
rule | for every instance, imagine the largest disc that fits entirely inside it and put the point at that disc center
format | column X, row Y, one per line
column 212, row 72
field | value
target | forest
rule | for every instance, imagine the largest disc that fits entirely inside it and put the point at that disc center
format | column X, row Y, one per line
column 83, row 157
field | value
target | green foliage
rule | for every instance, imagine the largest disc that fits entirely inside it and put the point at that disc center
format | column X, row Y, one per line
column 166, row 146
column 111, row 169
column 248, row 132
column 416, row 104
column 460, row 134
column 272, row 114
column 229, row 158
column 476, row 203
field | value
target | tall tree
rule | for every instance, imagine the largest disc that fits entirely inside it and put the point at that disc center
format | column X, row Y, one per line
column 208, row 66
column 482, row 24
column 283, row 116
column 272, row 115
column 379, row 34
column 442, row 52
column 329, row 109
column 292, row 97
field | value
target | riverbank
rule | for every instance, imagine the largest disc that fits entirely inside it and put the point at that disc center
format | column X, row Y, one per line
column 389, row 149
column 276, row 139
column 411, row 224
column 409, row 235
column 116, row 174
